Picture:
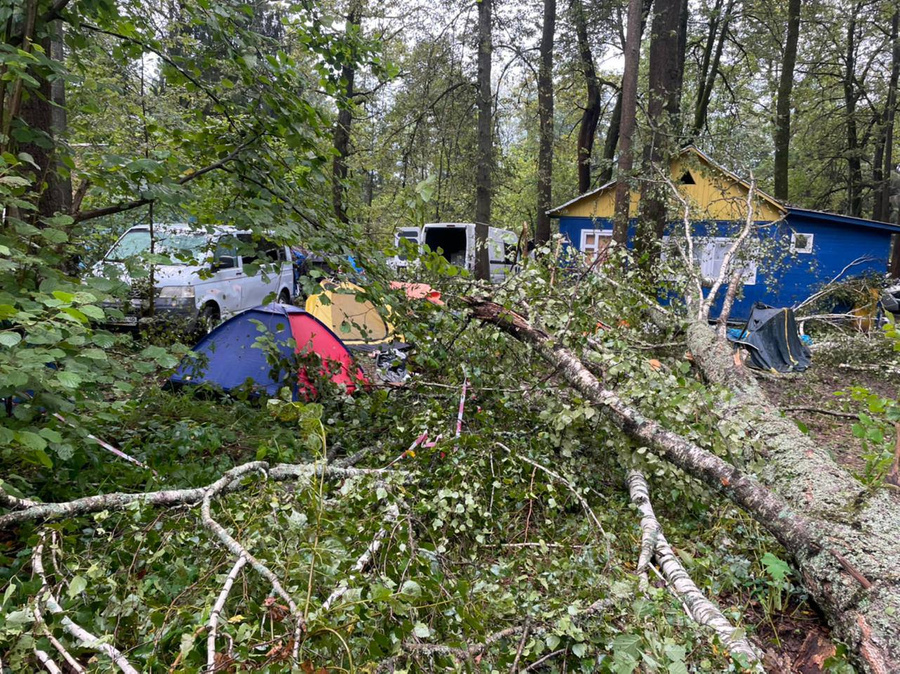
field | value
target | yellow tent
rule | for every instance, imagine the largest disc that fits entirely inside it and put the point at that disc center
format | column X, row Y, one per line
column 356, row 321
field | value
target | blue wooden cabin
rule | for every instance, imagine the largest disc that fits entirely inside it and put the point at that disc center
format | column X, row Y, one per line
column 812, row 247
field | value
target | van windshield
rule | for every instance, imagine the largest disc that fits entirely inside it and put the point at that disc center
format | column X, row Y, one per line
column 182, row 245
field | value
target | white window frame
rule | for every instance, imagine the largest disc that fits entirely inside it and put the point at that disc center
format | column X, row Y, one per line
column 583, row 246
column 705, row 249
column 710, row 255
column 806, row 250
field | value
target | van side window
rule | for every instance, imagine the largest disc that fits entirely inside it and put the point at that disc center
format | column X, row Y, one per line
column 248, row 248
column 272, row 251
column 226, row 253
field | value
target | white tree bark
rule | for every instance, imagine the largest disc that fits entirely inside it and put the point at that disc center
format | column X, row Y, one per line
column 47, row 661
column 842, row 537
column 700, row 609
column 216, row 612
column 37, row 512
column 82, row 635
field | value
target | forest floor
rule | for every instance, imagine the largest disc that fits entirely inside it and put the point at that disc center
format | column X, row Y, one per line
column 809, row 397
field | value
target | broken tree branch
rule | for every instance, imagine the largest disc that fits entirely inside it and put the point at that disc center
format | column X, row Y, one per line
column 217, row 611
column 47, row 661
column 859, row 524
column 392, row 513
column 39, row 512
column 87, row 639
column 699, row 608
column 239, row 550
column 559, row 478
column 73, row 663
column 770, row 510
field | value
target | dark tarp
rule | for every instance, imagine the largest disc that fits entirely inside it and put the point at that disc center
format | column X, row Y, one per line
column 774, row 343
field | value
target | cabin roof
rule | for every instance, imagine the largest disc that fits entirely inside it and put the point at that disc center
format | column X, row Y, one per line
column 783, row 209
column 837, row 219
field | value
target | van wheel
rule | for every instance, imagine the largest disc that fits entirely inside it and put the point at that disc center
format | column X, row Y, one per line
column 284, row 297
column 208, row 319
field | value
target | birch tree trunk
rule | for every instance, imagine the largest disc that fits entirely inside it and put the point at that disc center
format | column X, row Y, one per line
column 842, row 537
column 861, row 524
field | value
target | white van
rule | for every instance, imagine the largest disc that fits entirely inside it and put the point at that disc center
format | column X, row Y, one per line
column 456, row 241
column 210, row 277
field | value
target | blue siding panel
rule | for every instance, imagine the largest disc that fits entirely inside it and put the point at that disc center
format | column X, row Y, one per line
column 835, row 245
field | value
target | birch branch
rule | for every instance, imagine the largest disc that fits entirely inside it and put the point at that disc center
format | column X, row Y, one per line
column 733, row 284
column 15, row 503
column 365, row 560
column 706, row 304
column 46, row 660
column 828, row 287
column 217, row 611
column 700, row 609
column 175, row 497
column 790, row 528
column 688, row 257
column 68, row 657
column 559, row 478
column 239, row 550
column 82, row 635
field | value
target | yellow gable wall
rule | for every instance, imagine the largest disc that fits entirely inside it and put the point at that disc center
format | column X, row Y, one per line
column 715, row 196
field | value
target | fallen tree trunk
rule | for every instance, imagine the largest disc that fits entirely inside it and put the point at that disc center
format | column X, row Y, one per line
column 862, row 523
column 836, row 566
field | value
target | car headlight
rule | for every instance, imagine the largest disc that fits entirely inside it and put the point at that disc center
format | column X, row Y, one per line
column 177, row 292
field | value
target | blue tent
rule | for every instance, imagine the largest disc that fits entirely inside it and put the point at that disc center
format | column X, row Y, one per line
column 230, row 357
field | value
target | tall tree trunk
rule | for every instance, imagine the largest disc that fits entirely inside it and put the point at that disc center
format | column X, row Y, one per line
column 783, row 103
column 545, row 111
column 854, row 162
column 882, row 206
column 339, row 170
column 709, row 67
column 615, row 122
column 663, row 111
column 626, row 130
column 894, row 266
column 483, row 190
column 591, row 115
column 49, row 124
column 612, row 140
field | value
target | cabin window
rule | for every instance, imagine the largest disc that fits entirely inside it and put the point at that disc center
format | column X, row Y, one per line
column 711, row 257
column 687, row 179
column 595, row 244
column 801, row 243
